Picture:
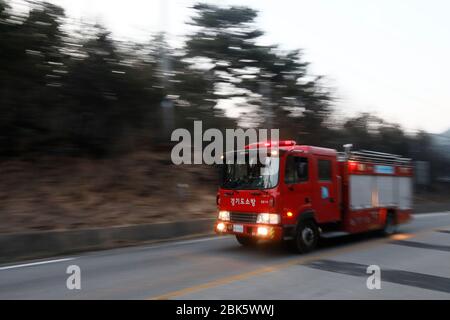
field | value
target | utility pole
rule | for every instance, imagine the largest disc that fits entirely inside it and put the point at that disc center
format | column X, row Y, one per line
column 165, row 69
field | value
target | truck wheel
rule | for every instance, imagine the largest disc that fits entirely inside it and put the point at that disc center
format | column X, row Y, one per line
column 246, row 241
column 306, row 238
column 390, row 226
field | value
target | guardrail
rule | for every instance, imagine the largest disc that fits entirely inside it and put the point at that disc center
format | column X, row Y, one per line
column 42, row 244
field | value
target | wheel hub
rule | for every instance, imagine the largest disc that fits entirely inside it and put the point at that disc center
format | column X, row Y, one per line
column 308, row 236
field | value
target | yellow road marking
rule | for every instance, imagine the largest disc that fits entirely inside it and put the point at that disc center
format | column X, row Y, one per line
column 280, row 266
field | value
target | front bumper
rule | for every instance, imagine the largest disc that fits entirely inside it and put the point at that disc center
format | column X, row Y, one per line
column 274, row 232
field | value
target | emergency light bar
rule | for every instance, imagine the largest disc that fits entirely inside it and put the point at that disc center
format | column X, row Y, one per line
column 268, row 144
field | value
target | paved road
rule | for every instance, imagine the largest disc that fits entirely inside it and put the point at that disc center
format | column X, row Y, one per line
column 414, row 264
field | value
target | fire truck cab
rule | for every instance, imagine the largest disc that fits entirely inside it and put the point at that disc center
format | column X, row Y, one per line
column 301, row 193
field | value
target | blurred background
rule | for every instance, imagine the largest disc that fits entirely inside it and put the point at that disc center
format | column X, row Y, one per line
column 90, row 92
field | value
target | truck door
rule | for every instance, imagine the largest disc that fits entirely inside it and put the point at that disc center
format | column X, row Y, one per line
column 297, row 186
column 325, row 202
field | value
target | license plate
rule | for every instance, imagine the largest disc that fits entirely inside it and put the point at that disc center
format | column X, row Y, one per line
column 238, row 228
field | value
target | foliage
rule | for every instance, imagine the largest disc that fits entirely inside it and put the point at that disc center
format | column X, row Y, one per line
column 84, row 93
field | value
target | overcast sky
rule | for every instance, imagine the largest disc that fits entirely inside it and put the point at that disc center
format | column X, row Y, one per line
column 389, row 57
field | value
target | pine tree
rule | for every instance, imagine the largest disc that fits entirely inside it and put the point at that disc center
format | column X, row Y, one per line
column 267, row 83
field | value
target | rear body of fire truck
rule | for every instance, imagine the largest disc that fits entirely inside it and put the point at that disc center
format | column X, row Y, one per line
column 377, row 190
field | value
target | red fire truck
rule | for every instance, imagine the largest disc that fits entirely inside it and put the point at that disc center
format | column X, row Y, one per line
column 301, row 193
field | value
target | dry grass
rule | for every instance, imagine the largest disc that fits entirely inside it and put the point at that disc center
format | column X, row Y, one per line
column 72, row 193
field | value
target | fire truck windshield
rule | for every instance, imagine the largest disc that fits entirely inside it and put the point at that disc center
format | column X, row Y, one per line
column 251, row 175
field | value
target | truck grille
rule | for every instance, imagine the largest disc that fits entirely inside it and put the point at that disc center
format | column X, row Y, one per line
column 243, row 217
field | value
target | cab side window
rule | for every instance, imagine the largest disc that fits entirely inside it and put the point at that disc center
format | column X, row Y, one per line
column 324, row 170
column 296, row 170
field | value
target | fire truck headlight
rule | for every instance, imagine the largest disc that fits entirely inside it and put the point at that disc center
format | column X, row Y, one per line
column 268, row 218
column 263, row 231
column 221, row 227
column 224, row 215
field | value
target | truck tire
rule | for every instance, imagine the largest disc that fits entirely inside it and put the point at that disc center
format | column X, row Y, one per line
column 246, row 241
column 390, row 226
column 306, row 237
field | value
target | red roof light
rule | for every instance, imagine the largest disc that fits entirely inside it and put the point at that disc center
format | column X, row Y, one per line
column 267, row 144
column 287, row 143
column 353, row 166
